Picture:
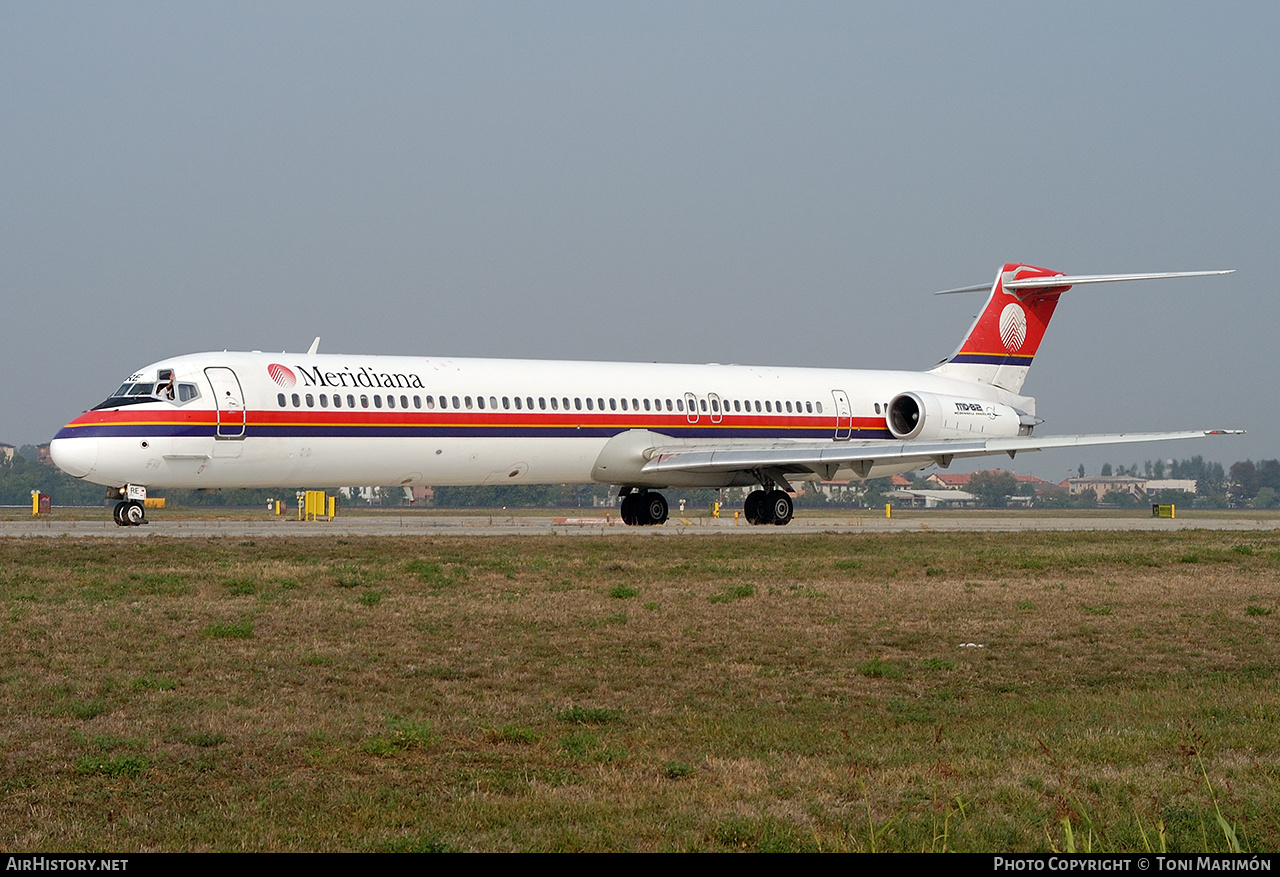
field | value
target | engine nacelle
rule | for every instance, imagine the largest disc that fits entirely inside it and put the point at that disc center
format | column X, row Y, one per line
column 928, row 416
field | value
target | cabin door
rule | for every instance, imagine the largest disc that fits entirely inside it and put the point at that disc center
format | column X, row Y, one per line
column 229, row 399
column 844, row 416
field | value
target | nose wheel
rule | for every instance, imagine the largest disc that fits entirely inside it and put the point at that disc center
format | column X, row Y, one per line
column 129, row 513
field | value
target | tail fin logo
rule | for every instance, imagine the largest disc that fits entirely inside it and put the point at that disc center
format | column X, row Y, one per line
column 282, row 375
column 1013, row 327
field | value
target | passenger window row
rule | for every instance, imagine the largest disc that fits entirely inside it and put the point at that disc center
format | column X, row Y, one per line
column 544, row 403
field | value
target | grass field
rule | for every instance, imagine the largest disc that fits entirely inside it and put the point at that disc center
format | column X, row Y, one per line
column 920, row 691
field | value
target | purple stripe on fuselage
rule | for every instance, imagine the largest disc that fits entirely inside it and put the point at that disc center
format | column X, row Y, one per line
column 162, row 430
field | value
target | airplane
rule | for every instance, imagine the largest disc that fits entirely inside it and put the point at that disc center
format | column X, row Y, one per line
column 223, row 420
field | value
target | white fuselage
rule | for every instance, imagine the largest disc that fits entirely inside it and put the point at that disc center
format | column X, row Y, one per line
column 279, row 420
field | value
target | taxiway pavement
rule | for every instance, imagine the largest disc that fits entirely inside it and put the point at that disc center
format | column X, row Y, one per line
column 464, row 524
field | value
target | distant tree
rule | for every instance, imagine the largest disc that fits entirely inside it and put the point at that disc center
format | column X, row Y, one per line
column 1054, row 498
column 522, row 496
column 1244, row 479
column 874, row 492
column 1180, row 498
column 1122, row 499
column 23, row 475
column 1080, row 471
column 1267, row 498
column 1210, row 478
column 1269, row 474
column 993, row 488
column 1085, row 499
column 1106, row 470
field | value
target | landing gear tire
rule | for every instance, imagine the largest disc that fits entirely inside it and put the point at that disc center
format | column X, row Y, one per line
column 129, row 513
column 644, row 509
column 780, row 507
column 630, row 510
column 655, row 507
column 755, row 508
column 134, row 513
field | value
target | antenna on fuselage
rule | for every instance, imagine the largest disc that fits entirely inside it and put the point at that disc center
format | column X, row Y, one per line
column 315, row 345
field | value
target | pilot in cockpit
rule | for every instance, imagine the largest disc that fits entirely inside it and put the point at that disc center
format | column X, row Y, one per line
column 166, row 385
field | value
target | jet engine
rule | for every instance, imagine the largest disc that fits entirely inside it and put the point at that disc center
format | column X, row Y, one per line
column 927, row 416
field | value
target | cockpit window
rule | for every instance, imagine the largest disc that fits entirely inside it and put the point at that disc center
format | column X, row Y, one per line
column 167, row 390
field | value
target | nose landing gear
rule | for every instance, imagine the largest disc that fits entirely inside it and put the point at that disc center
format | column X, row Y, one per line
column 130, row 511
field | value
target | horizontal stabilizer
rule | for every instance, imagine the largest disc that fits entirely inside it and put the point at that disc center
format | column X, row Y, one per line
column 1003, row 340
column 1080, row 280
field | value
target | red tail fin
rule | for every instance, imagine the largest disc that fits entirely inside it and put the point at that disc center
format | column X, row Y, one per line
column 1005, row 337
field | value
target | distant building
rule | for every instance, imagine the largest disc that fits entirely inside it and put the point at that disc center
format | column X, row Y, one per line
column 843, row 491
column 42, row 455
column 949, row 480
column 960, row 481
column 1156, row 485
column 835, row 491
column 6, row 453
column 932, row 499
column 1101, row 485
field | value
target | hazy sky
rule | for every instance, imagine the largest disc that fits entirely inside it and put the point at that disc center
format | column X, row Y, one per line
column 779, row 184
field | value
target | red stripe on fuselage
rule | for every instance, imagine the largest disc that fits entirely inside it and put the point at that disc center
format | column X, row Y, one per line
column 136, row 416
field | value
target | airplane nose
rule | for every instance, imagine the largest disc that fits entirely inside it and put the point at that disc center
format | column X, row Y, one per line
column 75, row 456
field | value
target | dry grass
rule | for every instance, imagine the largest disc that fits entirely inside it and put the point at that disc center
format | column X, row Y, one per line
column 909, row 691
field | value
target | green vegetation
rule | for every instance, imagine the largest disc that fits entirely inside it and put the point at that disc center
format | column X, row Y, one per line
column 677, row 770
column 801, row 692
column 402, row 735
column 578, row 715
column 734, row 592
column 231, row 630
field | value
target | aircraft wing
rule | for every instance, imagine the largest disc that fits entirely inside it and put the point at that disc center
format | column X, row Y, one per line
column 826, row 458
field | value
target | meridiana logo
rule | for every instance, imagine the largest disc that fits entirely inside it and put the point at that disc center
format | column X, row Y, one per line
column 1013, row 326
column 284, row 376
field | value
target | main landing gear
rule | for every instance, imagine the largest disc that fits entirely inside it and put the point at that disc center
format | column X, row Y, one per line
column 768, row 507
column 129, row 513
column 644, row 509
